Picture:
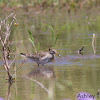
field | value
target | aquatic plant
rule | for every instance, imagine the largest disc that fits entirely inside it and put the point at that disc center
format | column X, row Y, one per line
column 38, row 46
column 53, row 33
column 59, row 33
column 55, row 38
column 31, row 39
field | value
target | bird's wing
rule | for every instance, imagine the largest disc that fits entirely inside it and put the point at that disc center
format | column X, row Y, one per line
column 30, row 56
column 40, row 55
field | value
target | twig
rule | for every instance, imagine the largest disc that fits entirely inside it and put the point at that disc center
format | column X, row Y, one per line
column 4, row 38
column 94, row 43
column 14, row 18
column 80, row 50
column 8, row 16
column 40, row 84
column 12, row 62
column 1, row 42
column 3, row 85
column 19, row 66
column 98, row 93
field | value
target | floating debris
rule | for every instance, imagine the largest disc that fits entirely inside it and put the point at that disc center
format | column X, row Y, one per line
column 98, row 93
column 80, row 50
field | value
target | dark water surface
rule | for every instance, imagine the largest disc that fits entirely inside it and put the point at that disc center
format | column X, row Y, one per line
column 68, row 75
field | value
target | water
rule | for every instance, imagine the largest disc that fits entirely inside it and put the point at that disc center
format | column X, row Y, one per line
column 68, row 75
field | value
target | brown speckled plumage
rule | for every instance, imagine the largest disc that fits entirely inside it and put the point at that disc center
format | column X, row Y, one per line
column 41, row 57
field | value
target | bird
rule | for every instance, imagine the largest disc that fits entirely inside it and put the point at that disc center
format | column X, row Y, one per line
column 42, row 57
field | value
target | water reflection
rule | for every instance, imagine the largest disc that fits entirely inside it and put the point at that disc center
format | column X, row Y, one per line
column 73, row 73
column 9, row 91
column 43, row 71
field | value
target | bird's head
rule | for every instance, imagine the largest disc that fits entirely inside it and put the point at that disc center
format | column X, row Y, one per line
column 53, row 51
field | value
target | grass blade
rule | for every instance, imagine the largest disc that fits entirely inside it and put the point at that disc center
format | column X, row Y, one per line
column 59, row 34
column 53, row 33
column 32, row 40
column 31, row 35
column 38, row 46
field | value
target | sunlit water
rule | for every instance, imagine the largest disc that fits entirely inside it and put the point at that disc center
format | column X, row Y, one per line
column 65, row 77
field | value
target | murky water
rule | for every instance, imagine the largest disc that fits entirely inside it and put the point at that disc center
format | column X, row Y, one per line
column 68, row 75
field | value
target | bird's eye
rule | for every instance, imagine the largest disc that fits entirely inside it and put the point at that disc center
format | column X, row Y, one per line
column 41, row 55
column 49, row 49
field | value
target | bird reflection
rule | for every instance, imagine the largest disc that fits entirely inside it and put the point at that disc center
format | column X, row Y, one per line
column 44, row 71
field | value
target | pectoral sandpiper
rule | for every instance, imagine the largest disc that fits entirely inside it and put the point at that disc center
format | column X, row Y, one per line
column 42, row 57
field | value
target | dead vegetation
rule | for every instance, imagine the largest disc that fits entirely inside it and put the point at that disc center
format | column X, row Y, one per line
column 5, row 32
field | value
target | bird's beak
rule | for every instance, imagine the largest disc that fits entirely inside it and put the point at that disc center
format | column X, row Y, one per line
column 58, row 55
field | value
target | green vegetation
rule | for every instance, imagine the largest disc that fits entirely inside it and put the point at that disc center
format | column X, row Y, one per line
column 54, row 38
column 32, row 40
column 53, row 33
column 69, row 33
column 69, row 4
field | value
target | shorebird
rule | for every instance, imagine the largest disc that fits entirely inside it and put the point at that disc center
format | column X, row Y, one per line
column 42, row 57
